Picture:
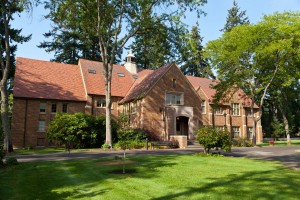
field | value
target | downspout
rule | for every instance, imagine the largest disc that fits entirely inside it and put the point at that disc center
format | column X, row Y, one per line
column 92, row 111
column 25, row 124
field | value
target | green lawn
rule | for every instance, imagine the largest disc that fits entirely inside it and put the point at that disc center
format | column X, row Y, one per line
column 159, row 177
column 280, row 143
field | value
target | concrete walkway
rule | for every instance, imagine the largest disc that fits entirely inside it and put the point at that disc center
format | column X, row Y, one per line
column 288, row 155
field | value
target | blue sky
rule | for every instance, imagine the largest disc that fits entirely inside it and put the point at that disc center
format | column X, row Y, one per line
column 210, row 24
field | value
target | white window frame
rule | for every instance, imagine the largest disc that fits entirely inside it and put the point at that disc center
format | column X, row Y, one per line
column 42, row 126
column 235, row 109
column 174, row 99
column 219, row 111
column 222, row 128
column 203, row 107
column 43, row 106
column 236, row 131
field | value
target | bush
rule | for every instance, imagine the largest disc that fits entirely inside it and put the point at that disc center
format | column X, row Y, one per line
column 242, row 142
column 80, row 130
column 212, row 138
column 11, row 161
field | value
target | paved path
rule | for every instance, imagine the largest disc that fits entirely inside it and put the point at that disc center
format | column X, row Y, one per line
column 289, row 155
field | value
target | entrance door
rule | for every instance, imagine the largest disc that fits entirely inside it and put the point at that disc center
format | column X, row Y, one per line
column 182, row 125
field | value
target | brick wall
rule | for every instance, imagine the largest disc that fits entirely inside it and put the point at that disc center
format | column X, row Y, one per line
column 158, row 118
column 26, row 117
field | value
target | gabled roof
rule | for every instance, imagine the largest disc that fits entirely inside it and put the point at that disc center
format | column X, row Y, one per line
column 95, row 83
column 206, row 85
column 142, row 85
column 48, row 80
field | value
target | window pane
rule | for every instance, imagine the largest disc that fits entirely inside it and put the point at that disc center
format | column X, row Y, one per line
column 65, row 108
column 53, row 108
column 42, row 107
column 41, row 126
column 168, row 99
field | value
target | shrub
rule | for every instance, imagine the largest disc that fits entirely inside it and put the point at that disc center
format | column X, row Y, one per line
column 80, row 130
column 11, row 161
column 242, row 142
column 105, row 146
column 211, row 138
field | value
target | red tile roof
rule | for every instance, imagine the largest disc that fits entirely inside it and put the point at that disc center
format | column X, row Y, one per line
column 142, row 85
column 206, row 84
column 48, row 80
column 95, row 83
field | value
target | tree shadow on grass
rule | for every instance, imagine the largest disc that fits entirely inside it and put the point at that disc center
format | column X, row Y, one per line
column 269, row 184
column 74, row 179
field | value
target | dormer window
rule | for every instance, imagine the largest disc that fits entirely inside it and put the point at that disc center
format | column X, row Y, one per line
column 174, row 83
column 92, row 71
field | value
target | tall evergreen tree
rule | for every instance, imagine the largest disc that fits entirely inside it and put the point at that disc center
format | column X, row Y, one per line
column 9, row 35
column 72, row 39
column 235, row 17
column 194, row 62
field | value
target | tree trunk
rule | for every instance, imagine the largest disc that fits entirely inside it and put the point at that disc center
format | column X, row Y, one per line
column 286, row 124
column 108, row 139
column 5, row 120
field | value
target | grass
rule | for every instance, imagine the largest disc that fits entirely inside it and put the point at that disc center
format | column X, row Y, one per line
column 34, row 151
column 280, row 143
column 157, row 177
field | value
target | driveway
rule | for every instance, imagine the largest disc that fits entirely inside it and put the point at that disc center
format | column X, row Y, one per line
column 288, row 155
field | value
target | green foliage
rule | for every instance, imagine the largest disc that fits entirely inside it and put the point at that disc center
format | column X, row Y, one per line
column 213, row 138
column 192, row 56
column 242, row 142
column 235, row 17
column 81, row 130
column 105, row 146
column 131, row 138
column 11, row 161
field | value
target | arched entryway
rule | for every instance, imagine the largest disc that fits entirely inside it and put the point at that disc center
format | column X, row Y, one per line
column 182, row 125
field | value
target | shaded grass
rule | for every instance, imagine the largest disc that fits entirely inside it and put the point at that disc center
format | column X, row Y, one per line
column 157, row 177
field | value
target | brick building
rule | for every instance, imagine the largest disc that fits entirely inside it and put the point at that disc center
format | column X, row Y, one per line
column 234, row 115
column 163, row 101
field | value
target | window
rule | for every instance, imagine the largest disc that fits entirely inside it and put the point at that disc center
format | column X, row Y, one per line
column 101, row 103
column 42, row 107
column 219, row 111
column 121, row 75
column 235, row 109
column 174, row 99
column 235, row 132
column 53, row 107
column 203, row 106
column 220, row 128
column 65, row 108
column 250, row 133
column 174, row 83
column 125, row 108
column 41, row 127
column 133, row 107
column 92, row 71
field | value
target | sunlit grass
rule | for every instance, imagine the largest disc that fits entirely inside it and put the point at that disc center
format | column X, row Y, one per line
column 280, row 143
column 157, row 177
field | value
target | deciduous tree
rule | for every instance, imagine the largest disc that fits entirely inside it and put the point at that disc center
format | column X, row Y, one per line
column 252, row 57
